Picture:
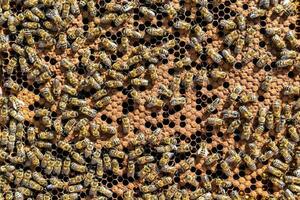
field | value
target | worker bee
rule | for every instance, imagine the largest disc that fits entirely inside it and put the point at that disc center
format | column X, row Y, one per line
column 200, row 34
column 227, row 114
column 257, row 13
column 233, row 157
column 245, row 112
column 139, row 82
column 241, row 22
column 197, row 193
column 280, row 165
column 215, row 121
column 294, row 188
column 10, row 84
column 197, row 45
column 289, row 194
column 248, row 98
column 274, row 171
column 202, row 151
column 212, row 159
column 78, row 167
column 182, row 25
column 17, row 115
column 147, row 12
column 62, row 41
column 218, row 74
column 103, row 102
column 136, row 72
column 201, row 77
column 293, row 133
column 145, row 159
column 265, row 85
column 264, row 3
column 278, row 42
column 67, row 64
column 206, row 14
column 228, row 56
column 230, row 38
column 228, row 24
column 109, row 45
column 106, row 162
column 113, row 84
column 287, row 54
column 130, row 168
column 291, row 90
column 155, row 31
column 183, row 62
column 284, row 63
column 88, row 111
column 226, row 168
column 291, row 37
column 239, row 45
column 235, row 124
column 177, row 101
column 253, row 149
column 170, row 10
column 286, row 155
column 152, row 72
column 215, row 56
column 249, row 162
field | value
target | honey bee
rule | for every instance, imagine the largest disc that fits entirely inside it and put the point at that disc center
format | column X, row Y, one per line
column 200, row 34
column 284, row 63
column 130, row 168
column 212, row 159
column 177, row 101
column 103, row 102
column 235, row 124
column 280, row 165
column 183, row 62
column 197, row 193
column 155, row 31
column 78, row 167
column 206, row 14
column 136, row 72
column 274, row 171
column 152, row 70
column 215, row 121
column 106, row 162
column 215, row 56
column 291, row 37
column 278, row 42
column 139, row 82
column 197, row 45
column 228, row 56
column 241, row 22
column 10, row 84
column 62, row 41
column 291, row 90
column 145, row 159
column 109, row 45
column 228, row 114
column 294, row 188
column 182, row 25
column 287, row 54
column 202, row 151
column 147, row 12
column 226, row 168
column 230, row 38
column 257, row 13
column 245, row 112
column 170, row 10
column 115, row 167
column 233, row 157
column 250, row 162
column 67, row 64
column 286, row 155
column 228, row 24
column 289, row 194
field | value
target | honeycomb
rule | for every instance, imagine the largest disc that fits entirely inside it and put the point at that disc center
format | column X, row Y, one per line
column 149, row 99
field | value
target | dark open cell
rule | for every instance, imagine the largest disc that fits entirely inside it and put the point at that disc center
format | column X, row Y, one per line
column 262, row 44
column 245, row 7
column 238, row 65
column 291, row 74
column 267, row 68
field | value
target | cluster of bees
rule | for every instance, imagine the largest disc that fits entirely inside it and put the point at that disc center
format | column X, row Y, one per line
column 67, row 152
